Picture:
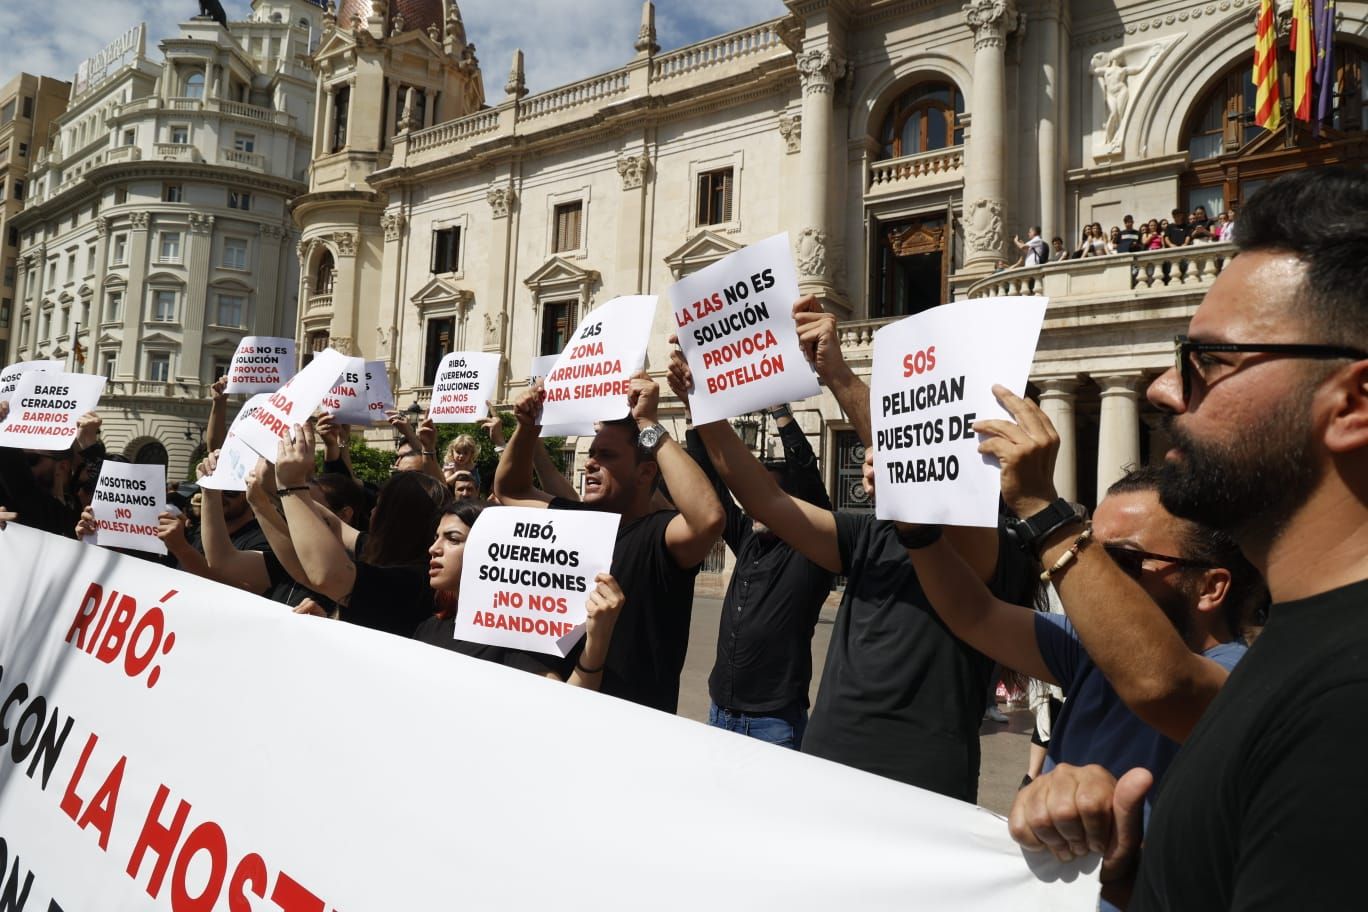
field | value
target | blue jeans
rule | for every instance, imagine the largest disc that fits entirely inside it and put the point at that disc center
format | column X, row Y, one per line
column 783, row 727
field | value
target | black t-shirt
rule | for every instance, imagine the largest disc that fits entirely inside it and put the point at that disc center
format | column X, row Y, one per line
column 437, row 631
column 900, row 695
column 651, row 636
column 1262, row 807
column 251, row 537
column 1177, row 234
column 1130, row 240
column 393, row 599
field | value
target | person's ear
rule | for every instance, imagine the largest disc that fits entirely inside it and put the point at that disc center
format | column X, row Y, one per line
column 1214, row 589
column 1347, row 428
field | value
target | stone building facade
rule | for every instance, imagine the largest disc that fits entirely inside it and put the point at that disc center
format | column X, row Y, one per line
column 156, row 230
column 902, row 144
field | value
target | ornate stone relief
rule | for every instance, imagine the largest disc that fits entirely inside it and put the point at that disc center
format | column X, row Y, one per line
column 138, row 220
column 346, row 243
column 818, row 70
column 810, row 252
column 991, row 21
column 393, row 223
column 501, row 200
column 344, row 345
column 791, row 128
column 983, row 225
column 633, row 169
column 200, row 223
column 1114, row 70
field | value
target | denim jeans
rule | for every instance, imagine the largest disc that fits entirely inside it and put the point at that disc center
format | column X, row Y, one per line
column 783, row 727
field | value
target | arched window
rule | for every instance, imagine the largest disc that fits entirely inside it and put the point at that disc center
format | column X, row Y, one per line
column 323, row 275
column 1230, row 155
column 151, row 453
column 194, row 85
column 923, row 118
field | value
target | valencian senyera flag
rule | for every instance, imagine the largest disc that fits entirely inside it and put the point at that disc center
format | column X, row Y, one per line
column 1267, row 107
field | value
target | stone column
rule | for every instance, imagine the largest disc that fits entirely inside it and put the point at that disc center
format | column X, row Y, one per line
column 329, row 121
column 1118, row 434
column 819, row 68
column 631, row 231
column 320, row 112
column 1057, row 402
column 985, row 194
column 1049, row 167
column 198, row 311
column 135, row 294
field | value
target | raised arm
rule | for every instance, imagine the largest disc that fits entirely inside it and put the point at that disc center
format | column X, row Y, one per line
column 799, row 456
column 243, row 569
column 691, row 534
column 336, row 439
column 549, row 477
column 216, row 429
column 325, row 563
column 263, row 499
column 822, row 344
column 808, row 529
column 513, row 478
column 1126, row 634
column 1000, row 630
column 605, row 604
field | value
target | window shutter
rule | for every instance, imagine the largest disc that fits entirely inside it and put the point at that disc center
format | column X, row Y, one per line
column 726, row 195
column 436, row 247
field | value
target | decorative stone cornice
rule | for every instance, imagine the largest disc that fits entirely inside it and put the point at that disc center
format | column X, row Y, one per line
column 501, row 200
column 991, row 21
column 633, row 170
column 791, row 128
column 818, row 69
column 139, row 221
column 393, row 223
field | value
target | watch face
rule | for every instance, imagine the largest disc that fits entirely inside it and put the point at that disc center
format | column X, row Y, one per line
column 649, row 437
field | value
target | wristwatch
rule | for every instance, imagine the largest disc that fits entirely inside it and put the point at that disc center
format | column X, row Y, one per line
column 779, row 411
column 650, row 438
column 1028, row 533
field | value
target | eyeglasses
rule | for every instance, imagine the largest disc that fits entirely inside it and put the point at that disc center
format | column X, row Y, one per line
column 1132, row 560
column 1184, row 349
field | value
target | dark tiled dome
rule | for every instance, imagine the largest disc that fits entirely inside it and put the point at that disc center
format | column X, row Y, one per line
column 418, row 14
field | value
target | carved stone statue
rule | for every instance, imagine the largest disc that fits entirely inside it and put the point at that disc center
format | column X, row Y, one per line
column 214, row 10
column 809, row 252
column 1113, row 70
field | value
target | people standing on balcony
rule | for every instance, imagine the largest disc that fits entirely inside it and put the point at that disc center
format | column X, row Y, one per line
column 1057, row 250
column 1178, row 233
column 1114, row 240
column 1033, row 249
column 1152, row 238
column 1129, row 241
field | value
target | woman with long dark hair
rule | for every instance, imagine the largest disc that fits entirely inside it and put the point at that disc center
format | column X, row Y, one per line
column 446, row 558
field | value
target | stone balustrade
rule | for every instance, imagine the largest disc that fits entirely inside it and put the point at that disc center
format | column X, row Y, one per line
column 180, row 152
column 894, row 174
column 587, row 91
column 252, row 161
column 720, row 50
column 1175, row 270
column 454, row 132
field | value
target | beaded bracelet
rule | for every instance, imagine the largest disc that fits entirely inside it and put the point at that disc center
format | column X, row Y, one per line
column 1068, row 557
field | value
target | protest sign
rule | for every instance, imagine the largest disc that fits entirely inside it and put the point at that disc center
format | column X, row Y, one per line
column 379, row 396
column 527, row 575
column 235, row 457
column 541, row 366
column 9, row 377
column 592, row 376
column 292, row 404
column 735, row 327
column 127, row 501
column 933, row 378
column 347, row 399
column 464, row 384
column 45, row 407
column 261, row 364
column 144, row 767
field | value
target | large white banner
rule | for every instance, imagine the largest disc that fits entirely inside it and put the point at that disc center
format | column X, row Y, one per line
column 171, row 737
column 933, row 378
column 735, row 327
column 527, row 574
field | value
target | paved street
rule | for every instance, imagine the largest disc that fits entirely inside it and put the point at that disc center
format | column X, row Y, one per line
column 1004, row 746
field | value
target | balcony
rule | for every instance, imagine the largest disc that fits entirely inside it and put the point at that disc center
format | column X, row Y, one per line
column 123, row 154
column 1185, row 271
column 249, row 161
column 177, row 152
column 319, row 302
column 156, row 389
column 907, row 172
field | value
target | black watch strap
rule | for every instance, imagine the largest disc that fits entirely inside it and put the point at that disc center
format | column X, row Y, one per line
column 1031, row 531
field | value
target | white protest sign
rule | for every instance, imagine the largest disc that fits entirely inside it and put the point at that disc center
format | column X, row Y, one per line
column 9, row 377
column 527, row 575
column 592, row 376
column 292, row 404
column 379, row 396
column 45, row 407
column 463, row 386
column 261, row 364
column 347, row 399
column 933, row 378
column 541, row 366
column 128, row 677
column 235, row 460
column 126, row 503
column 735, row 327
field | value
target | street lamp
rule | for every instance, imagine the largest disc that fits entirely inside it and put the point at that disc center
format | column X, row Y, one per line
column 748, row 429
column 415, row 412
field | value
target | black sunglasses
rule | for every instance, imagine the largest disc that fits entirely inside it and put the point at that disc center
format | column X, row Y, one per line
column 1184, row 348
column 1132, row 560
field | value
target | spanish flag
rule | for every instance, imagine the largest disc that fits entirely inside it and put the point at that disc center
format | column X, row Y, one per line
column 1303, row 59
column 1267, row 107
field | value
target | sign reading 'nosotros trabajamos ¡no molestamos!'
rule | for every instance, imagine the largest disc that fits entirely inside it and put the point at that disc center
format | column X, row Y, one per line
column 933, row 378
column 735, row 327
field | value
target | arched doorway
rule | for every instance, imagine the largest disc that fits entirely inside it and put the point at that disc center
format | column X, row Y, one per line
column 149, row 452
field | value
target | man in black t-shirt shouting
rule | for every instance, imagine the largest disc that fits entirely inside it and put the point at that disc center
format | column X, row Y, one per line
column 658, row 552
column 1268, row 414
column 900, row 695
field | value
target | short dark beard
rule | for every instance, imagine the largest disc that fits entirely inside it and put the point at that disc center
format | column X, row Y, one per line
column 1253, row 486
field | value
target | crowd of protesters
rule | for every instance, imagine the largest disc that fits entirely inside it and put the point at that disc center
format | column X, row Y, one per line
column 1201, row 746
